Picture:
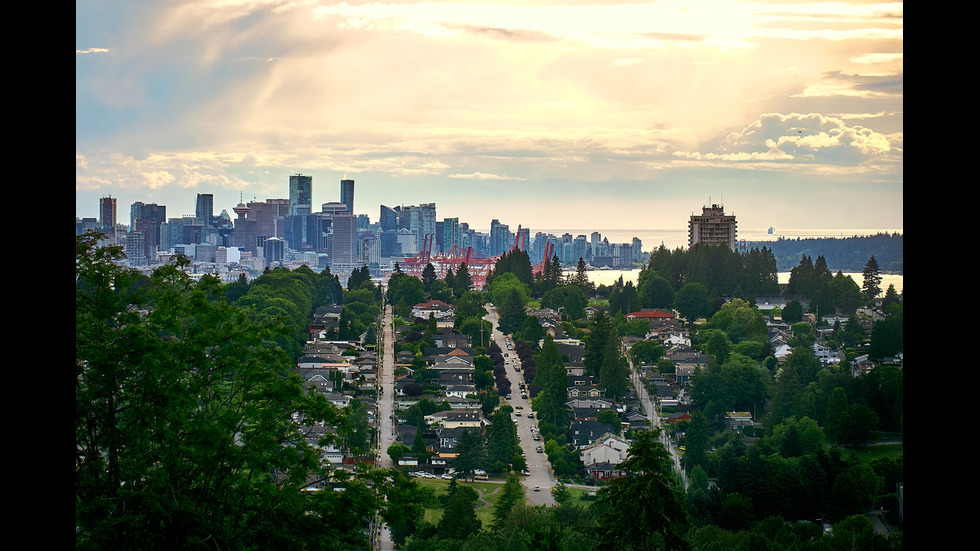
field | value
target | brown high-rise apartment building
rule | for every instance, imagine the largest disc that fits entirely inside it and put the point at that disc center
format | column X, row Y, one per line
column 713, row 226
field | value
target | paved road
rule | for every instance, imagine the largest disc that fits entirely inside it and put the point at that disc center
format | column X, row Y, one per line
column 641, row 390
column 386, row 410
column 539, row 469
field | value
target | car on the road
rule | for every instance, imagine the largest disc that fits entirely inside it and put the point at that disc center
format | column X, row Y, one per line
column 447, row 476
column 536, row 437
column 537, row 488
column 530, row 415
column 538, row 449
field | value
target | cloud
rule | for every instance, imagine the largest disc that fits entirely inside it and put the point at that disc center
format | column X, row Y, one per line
column 93, row 51
column 802, row 138
column 483, row 176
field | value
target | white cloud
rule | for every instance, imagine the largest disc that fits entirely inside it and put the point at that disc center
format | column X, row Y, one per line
column 483, row 176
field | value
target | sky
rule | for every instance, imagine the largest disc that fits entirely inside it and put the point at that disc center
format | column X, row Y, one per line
column 546, row 114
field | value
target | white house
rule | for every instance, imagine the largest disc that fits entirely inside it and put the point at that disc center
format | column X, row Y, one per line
column 609, row 448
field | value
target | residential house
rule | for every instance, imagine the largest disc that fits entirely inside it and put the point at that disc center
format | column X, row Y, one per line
column 608, row 448
column 738, row 419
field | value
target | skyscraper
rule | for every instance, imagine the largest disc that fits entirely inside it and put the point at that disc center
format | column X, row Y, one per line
column 450, row 234
column 205, row 208
column 347, row 194
column 300, row 194
column 712, row 227
column 107, row 212
column 107, row 218
column 344, row 255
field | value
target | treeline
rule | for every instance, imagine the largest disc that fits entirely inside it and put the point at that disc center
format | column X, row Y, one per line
column 193, row 429
column 847, row 254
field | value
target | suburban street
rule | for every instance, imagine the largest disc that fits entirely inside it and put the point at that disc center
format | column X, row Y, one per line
column 641, row 391
column 539, row 469
column 386, row 410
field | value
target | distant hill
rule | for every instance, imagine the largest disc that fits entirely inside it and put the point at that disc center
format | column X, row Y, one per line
column 848, row 254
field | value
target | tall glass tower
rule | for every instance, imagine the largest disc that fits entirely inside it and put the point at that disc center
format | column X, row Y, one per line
column 300, row 194
column 205, row 208
column 347, row 194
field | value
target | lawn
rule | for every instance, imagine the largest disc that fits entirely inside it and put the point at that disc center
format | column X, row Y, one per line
column 489, row 493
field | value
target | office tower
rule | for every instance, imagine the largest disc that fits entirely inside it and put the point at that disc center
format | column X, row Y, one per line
column 407, row 241
column 421, row 222
column 450, row 234
column 205, row 208
column 713, row 227
column 273, row 251
column 269, row 216
column 637, row 250
column 347, row 194
column 107, row 218
column 388, row 219
column 579, row 246
column 501, row 238
column 107, row 213
column 344, row 254
column 333, row 208
column 300, row 194
column 149, row 219
column 389, row 244
column 135, row 249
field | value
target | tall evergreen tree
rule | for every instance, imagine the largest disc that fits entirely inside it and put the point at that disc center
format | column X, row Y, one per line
column 596, row 341
column 644, row 510
column 872, row 280
column 428, row 276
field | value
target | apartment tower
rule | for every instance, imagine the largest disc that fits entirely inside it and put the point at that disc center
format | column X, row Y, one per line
column 713, row 226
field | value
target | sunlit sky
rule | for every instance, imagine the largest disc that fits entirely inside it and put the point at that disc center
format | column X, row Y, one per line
column 546, row 114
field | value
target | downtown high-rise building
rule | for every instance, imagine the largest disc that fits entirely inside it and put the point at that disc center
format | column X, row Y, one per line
column 205, row 208
column 300, row 194
column 421, row 222
column 149, row 219
column 451, row 236
column 347, row 194
column 107, row 212
column 107, row 218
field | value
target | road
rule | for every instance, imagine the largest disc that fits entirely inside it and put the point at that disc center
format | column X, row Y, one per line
column 539, row 469
column 641, row 391
column 386, row 411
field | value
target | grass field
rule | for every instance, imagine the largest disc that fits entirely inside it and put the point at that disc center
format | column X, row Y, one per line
column 489, row 494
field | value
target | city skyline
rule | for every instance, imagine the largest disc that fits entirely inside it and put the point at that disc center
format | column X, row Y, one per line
column 629, row 115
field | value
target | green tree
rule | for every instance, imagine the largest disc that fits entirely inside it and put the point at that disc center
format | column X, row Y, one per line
column 397, row 451
column 561, row 493
column 184, row 430
column 614, row 371
column 511, row 496
column 512, row 313
column 793, row 312
column 596, row 342
column 858, row 425
column 459, row 520
column 692, row 301
column 471, row 452
column 644, row 510
column 872, row 280
column 428, row 276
